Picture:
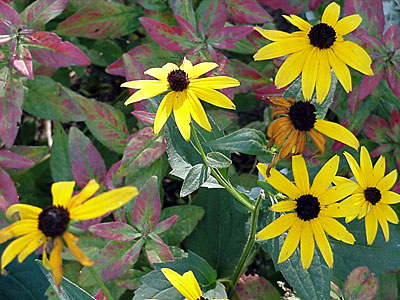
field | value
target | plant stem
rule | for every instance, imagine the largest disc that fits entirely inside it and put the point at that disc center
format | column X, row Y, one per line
column 242, row 264
column 221, row 180
column 100, row 283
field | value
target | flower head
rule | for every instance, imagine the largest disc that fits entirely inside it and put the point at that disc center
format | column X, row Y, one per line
column 372, row 194
column 297, row 119
column 314, row 50
column 314, row 211
column 185, row 91
column 186, row 284
column 38, row 226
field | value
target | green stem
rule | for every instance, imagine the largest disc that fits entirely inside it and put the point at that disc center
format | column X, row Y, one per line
column 221, row 180
column 242, row 264
column 100, row 283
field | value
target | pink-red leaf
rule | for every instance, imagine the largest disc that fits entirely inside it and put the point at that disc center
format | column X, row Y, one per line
column 369, row 83
column 247, row 11
column 106, row 123
column 253, row 287
column 100, row 19
column 35, row 153
column 249, row 78
column 145, row 117
column 86, row 162
column 37, row 14
column 48, row 49
column 361, row 284
column 8, row 192
column 381, row 150
column 164, row 225
column 395, row 122
column 156, row 250
column 11, row 160
column 133, row 69
column 184, row 9
column 225, row 38
column 212, row 15
column 288, row 6
column 8, row 13
column 187, row 28
column 22, row 61
column 115, row 231
column 269, row 90
column 391, row 38
column 11, row 99
column 376, row 128
column 112, row 180
column 313, row 4
column 393, row 79
column 142, row 150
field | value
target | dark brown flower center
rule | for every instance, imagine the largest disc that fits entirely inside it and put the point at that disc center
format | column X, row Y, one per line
column 308, row 207
column 202, row 298
column 302, row 114
column 53, row 221
column 178, row 80
column 322, row 36
column 372, row 195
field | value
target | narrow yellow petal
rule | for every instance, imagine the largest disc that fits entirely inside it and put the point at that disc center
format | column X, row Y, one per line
column 331, row 14
column 389, row 197
column 184, row 285
column 200, row 69
column 371, row 226
column 339, row 210
column 355, row 169
column 284, row 206
column 325, row 176
column 292, row 241
column 15, row 248
column 164, row 111
column 379, row 170
column 104, row 203
column 170, row 67
column 144, row 84
column 298, row 22
column 382, row 221
column 56, row 261
column 322, row 242
column 300, row 174
column 354, row 56
column 182, row 114
column 347, row 24
column 336, row 230
column 389, row 213
column 88, row 191
column 45, row 259
column 147, row 93
column 25, row 226
column 277, row 227
column 79, row 255
column 323, row 82
column 387, row 182
column 341, row 70
column 272, row 35
column 366, row 166
column 282, row 184
column 213, row 97
column 216, row 82
column 197, row 111
column 62, row 192
column 306, row 245
column 186, row 65
column 310, row 72
column 6, row 233
column 291, row 68
column 158, row 73
column 337, row 193
column 25, row 211
column 337, row 132
column 38, row 238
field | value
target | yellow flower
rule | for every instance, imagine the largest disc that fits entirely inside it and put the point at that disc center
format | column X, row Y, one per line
column 185, row 91
column 39, row 226
column 372, row 194
column 314, row 50
column 315, row 210
column 299, row 118
column 186, row 284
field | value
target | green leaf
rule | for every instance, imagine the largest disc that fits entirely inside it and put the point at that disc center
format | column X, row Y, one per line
column 246, row 140
column 59, row 159
column 221, row 234
column 196, row 176
column 218, row 160
column 387, row 287
column 188, row 217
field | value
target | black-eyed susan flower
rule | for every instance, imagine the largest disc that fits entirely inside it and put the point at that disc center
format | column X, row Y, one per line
column 186, row 284
column 38, row 227
column 315, row 50
column 311, row 211
column 185, row 91
column 297, row 118
column 372, row 194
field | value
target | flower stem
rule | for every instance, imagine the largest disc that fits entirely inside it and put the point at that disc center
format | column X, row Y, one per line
column 247, row 251
column 100, row 283
column 221, row 180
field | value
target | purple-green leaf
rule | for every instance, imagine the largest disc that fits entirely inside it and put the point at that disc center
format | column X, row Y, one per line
column 360, row 285
column 48, row 49
column 249, row 78
column 8, row 13
column 254, row 287
column 225, row 38
column 395, row 122
column 393, row 79
column 212, row 15
column 49, row 99
column 247, row 11
column 376, row 128
column 34, row 153
column 155, row 5
column 288, row 6
column 8, row 192
column 142, row 150
column 369, row 83
column 116, row 231
column 86, row 162
column 37, row 14
column 11, row 160
column 145, row 117
column 11, row 99
column 112, row 180
column 164, row 225
column 100, row 19
column 156, row 250
column 133, row 69
column 106, row 123
column 22, row 61
column 184, row 9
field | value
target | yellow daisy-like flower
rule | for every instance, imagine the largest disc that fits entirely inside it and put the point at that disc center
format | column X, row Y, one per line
column 185, row 91
column 315, row 209
column 372, row 194
column 186, row 284
column 39, row 226
column 314, row 50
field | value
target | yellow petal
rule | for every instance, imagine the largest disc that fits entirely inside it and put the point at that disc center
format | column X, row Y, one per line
column 298, row 22
column 325, row 176
column 291, row 68
column 182, row 114
column 310, row 72
column 38, row 239
column 336, row 230
column 322, row 242
column 6, row 233
column 337, row 193
column 164, row 111
column 291, row 242
column 186, row 65
column 347, row 24
column 144, row 84
column 284, row 206
column 277, row 227
column 197, row 111
column 272, row 35
column 56, row 261
column 306, row 245
column 387, row 182
column 339, row 210
column 282, row 184
column 382, row 221
column 323, row 82
column 146, row 93
column 300, row 174
column 354, row 56
column 389, row 213
column 104, row 203
column 341, row 70
column 62, row 192
column 25, row 211
column 337, row 132
column 170, row 67
column 379, row 170
column 331, row 14
column 371, row 226
column 186, row 284
column 79, row 255
column 158, row 73
column 216, row 82
column 389, row 197
column 200, row 69
column 88, row 191
column 355, row 169
column 213, row 97
column 366, row 166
